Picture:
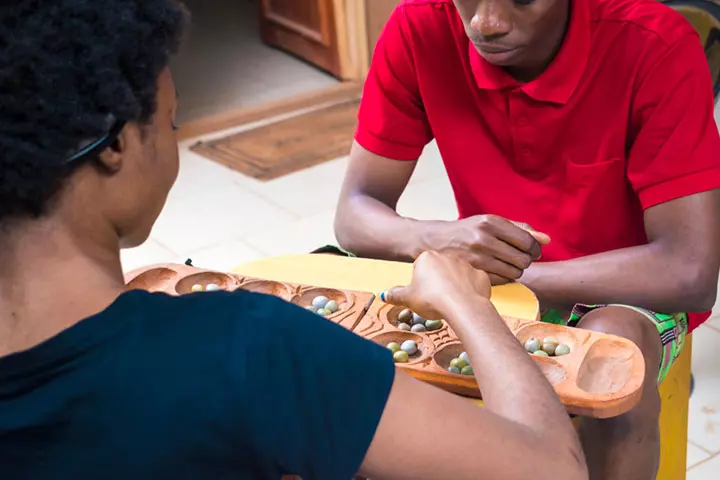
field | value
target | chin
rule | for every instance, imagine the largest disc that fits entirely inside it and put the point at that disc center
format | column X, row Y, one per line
column 135, row 239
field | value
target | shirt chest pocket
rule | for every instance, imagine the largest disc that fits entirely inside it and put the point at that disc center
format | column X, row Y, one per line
column 595, row 205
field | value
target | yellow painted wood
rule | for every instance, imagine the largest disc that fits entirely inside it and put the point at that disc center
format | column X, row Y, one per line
column 512, row 300
column 371, row 276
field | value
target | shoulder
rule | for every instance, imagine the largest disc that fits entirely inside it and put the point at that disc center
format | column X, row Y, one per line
column 208, row 318
column 645, row 20
column 425, row 12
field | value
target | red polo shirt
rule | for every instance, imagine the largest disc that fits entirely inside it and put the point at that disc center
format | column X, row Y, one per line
column 621, row 120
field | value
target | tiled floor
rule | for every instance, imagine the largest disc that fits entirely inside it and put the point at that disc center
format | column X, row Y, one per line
column 221, row 219
column 224, row 64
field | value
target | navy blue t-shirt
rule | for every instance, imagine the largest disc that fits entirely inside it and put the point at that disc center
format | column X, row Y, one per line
column 209, row 385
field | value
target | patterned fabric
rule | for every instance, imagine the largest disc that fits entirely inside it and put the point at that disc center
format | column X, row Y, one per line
column 672, row 328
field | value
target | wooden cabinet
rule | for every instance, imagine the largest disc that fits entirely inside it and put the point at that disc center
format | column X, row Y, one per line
column 306, row 28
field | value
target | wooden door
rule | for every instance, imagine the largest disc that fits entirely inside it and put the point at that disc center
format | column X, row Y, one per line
column 305, row 28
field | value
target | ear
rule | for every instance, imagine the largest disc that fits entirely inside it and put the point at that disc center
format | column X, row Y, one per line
column 127, row 141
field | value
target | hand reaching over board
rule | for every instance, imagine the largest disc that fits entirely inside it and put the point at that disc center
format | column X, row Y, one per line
column 502, row 248
column 438, row 280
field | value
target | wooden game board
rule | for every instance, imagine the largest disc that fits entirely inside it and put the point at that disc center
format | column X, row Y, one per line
column 601, row 377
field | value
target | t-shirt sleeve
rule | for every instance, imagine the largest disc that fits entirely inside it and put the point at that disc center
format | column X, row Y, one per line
column 314, row 391
column 676, row 151
column 392, row 122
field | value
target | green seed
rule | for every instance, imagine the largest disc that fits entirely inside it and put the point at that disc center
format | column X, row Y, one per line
column 454, row 370
column 393, row 347
column 404, row 326
column 324, row 312
column 464, row 356
column 551, row 340
column 467, row 370
column 197, row 288
column 332, row 305
column 433, row 325
column 312, row 308
column 540, row 353
column 417, row 319
column 533, row 345
column 418, row 328
column 561, row 350
column 211, row 287
column 401, row 356
column 458, row 363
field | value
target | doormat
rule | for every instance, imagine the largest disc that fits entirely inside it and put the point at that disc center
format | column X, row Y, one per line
column 289, row 145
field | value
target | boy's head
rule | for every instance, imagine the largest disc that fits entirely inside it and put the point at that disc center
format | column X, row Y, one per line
column 520, row 34
column 87, row 107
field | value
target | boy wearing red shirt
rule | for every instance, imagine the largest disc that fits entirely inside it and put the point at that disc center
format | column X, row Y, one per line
column 588, row 120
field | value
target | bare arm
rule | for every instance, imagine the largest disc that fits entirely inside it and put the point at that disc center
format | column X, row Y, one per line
column 367, row 222
column 523, row 431
column 677, row 271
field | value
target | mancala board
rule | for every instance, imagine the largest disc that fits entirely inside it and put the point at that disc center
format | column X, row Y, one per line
column 601, row 377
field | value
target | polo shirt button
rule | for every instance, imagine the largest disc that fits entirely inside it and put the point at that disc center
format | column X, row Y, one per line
column 522, row 121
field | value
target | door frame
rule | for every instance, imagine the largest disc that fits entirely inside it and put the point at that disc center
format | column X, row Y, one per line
column 354, row 58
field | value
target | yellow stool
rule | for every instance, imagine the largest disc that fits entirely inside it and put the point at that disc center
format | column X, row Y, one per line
column 512, row 300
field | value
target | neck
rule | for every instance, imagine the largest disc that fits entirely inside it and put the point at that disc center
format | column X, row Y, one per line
column 50, row 279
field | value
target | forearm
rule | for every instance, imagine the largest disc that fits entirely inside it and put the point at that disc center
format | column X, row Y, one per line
column 512, row 385
column 369, row 228
column 646, row 276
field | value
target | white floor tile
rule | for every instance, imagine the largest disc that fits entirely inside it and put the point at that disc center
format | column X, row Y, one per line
column 695, row 455
column 429, row 200
column 302, row 236
column 705, row 471
column 215, row 214
column 430, row 165
column 304, row 193
column 149, row 253
column 704, row 423
column 224, row 256
column 198, row 175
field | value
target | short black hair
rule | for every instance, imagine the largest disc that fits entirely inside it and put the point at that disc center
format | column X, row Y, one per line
column 66, row 66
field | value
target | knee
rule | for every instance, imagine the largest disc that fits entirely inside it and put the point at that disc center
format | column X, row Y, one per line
column 628, row 324
column 642, row 332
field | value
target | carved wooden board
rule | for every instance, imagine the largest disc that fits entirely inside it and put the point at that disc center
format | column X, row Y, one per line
column 601, row 377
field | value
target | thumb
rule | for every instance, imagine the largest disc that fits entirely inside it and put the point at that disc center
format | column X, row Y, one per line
column 542, row 238
column 395, row 296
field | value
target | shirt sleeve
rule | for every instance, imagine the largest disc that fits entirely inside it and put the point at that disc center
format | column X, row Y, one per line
column 392, row 122
column 676, row 151
column 314, row 391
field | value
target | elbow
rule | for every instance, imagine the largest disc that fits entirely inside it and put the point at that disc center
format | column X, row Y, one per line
column 343, row 229
column 698, row 288
column 342, row 235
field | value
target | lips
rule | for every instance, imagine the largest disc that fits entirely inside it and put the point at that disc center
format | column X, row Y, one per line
column 494, row 49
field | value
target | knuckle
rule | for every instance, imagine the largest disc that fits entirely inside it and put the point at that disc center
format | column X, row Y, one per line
column 525, row 261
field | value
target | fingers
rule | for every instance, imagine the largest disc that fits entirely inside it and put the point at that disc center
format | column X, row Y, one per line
column 395, row 296
column 515, row 236
column 510, row 261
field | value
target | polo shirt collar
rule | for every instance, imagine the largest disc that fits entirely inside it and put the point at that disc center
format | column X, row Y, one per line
column 559, row 81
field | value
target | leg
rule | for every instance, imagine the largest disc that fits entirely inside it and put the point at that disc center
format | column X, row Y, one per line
column 626, row 447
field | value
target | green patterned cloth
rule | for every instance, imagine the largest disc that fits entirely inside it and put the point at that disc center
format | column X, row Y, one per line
column 672, row 328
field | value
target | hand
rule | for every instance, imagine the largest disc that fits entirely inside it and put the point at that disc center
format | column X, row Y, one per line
column 437, row 281
column 500, row 247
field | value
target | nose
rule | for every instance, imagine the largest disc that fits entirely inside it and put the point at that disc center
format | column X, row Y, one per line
column 492, row 20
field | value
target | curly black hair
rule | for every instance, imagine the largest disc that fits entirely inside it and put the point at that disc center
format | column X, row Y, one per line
column 66, row 66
